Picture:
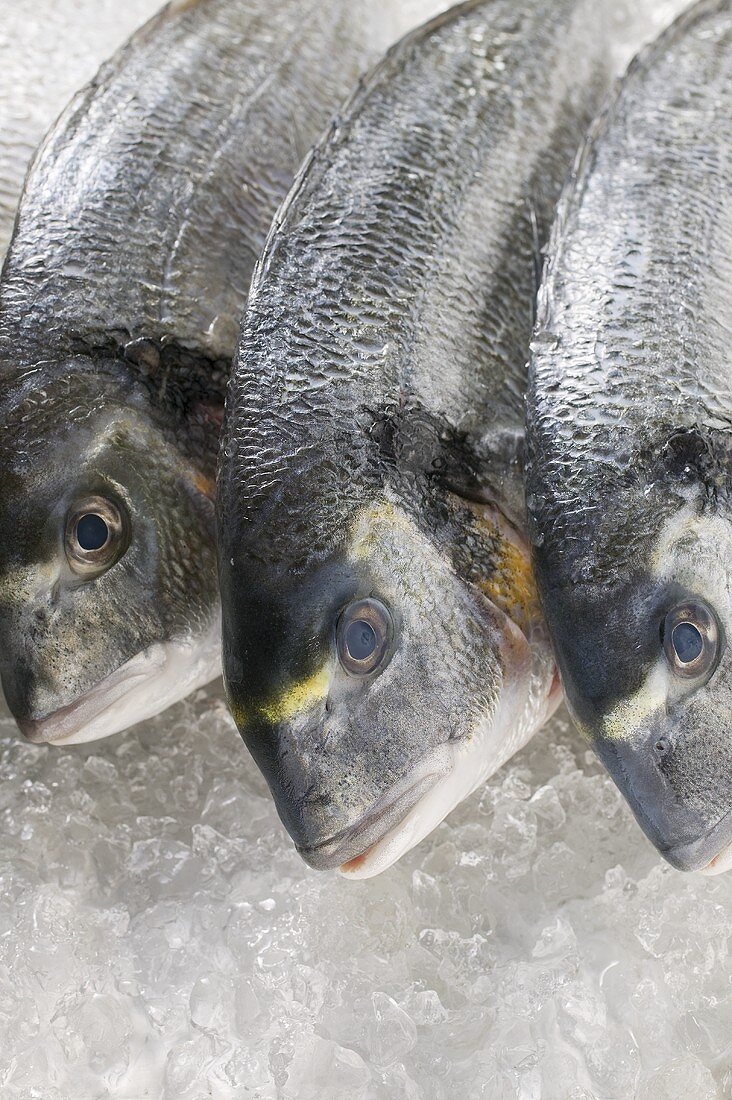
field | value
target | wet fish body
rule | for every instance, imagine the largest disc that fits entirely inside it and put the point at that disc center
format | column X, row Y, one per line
column 383, row 650
column 138, row 229
column 630, row 433
column 47, row 50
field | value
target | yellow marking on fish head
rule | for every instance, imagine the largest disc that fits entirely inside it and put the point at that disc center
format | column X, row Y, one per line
column 512, row 585
column 298, row 697
column 175, row 7
column 636, row 713
column 205, row 485
column 692, row 550
column 238, row 712
column 295, row 699
column 509, row 579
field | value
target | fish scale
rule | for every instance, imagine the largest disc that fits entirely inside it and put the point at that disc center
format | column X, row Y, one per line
column 371, row 457
column 629, row 429
column 138, row 229
column 405, row 249
column 220, row 99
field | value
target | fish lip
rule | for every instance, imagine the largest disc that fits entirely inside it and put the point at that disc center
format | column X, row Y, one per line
column 386, row 813
column 146, row 684
column 67, row 721
column 703, row 852
column 720, row 863
column 710, row 854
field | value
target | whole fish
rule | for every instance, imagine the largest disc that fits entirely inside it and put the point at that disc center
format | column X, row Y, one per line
column 630, row 428
column 120, row 300
column 383, row 648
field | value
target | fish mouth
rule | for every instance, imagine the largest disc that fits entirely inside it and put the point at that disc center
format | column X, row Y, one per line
column 421, row 815
column 142, row 687
column 711, row 854
column 722, row 862
column 396, row 842
column 352, row 844
column 466, row 764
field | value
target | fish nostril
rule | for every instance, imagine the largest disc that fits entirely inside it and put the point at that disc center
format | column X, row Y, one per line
column 662, row 746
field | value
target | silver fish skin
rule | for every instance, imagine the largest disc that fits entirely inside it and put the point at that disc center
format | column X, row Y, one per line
column 383, row 649
column 630, row 439
column 48, row 49
column 120, row 299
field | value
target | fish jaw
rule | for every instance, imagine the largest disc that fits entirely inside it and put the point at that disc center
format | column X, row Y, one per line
column 697, row 856
column 688, row 839
column 142, row 687
column 721, row 862
column 393, row 808
column 472, row 761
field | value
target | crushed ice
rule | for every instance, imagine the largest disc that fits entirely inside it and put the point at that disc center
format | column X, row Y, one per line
column 160, row 937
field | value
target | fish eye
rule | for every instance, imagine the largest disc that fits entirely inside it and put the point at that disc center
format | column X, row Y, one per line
column 92, row 531
column 363, row 635
column 691, row 639
column 96, row 535
column 687, row 642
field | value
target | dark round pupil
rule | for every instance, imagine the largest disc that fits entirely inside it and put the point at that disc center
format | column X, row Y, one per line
column 360, row 639
column 687, row 642
column 91, row 532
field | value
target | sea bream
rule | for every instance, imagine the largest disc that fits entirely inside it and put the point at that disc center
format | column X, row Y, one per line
column 630, row 429
column 120, row 302
column 383, row 647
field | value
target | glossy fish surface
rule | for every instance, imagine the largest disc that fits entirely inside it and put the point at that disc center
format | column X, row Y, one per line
column 630, row 439
column 383, row 648
column 48, row 49
column 120, row 300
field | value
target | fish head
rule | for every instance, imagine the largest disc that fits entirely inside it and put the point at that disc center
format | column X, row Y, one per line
column 649, row 675
column 378, row 684
column 108, row 598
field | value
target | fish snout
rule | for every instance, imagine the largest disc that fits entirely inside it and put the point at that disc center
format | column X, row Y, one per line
column 376, row 821
column 336, row 790
column 710, row 852
column 26, row 702
column 646, row 775
column 317, row 784
column 33, row 731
